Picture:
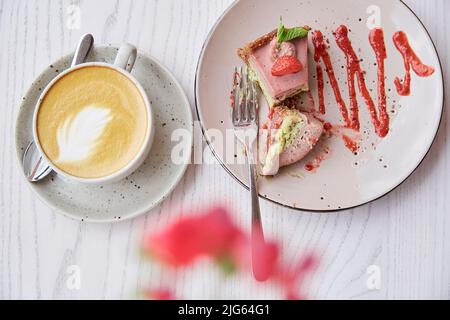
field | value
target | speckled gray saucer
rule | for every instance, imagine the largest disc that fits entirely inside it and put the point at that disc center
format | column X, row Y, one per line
column 146, row 187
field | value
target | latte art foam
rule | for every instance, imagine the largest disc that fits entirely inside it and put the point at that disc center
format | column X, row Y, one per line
column 78, row 136
column 92, row 122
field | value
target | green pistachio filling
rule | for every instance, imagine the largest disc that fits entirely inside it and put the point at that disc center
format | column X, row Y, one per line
column 289, row 130
column 253, row 75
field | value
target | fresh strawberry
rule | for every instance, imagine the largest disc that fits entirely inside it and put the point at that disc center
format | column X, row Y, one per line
column 286, row 65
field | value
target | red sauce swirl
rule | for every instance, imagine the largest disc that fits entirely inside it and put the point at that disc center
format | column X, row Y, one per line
column 379, row 117
column 410, row 59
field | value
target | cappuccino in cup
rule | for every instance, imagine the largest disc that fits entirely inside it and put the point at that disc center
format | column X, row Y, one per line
column 94, row 123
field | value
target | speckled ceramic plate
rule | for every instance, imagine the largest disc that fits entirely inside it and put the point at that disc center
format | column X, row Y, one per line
column 152, row 182
column 344, row 179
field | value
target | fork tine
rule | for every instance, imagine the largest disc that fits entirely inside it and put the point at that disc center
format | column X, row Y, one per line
column 244, row 96
column 254, row 102
column 247, row 96
column 234, row 95
column 244, row 101
column 241, row 96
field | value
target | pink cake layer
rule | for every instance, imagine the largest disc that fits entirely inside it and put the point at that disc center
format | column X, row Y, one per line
column 307, row 138
column 283, row 86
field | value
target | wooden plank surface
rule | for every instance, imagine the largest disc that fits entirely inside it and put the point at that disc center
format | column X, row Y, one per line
column 406, row 234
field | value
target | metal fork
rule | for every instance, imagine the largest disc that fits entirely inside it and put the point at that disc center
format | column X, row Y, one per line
column 244, row 115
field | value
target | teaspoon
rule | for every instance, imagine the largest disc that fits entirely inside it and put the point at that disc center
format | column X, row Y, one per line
column 34, row 165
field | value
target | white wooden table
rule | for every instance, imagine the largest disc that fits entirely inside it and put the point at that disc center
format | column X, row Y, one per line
column 405, row 235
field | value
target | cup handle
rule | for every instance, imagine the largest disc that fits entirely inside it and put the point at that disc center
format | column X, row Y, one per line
column 126, row 57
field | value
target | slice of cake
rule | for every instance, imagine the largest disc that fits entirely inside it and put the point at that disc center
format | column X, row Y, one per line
column 287, row 137
column 278, row 61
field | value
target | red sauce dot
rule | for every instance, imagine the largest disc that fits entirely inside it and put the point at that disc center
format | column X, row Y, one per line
column 327, row 126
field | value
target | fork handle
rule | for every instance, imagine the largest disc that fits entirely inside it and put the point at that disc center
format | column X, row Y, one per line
column 257, row 230
column 256, row 214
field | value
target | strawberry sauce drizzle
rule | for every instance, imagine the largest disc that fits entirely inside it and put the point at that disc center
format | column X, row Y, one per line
column 311, row 166
column 321, row 52
column 353, row 68
column 410, row 60
column 320, row 87
column 379, row 116
column 380, row 119
column 351, row 144
column 381, row 123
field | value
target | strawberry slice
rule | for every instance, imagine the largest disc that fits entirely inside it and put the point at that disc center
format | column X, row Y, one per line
column 286, row 65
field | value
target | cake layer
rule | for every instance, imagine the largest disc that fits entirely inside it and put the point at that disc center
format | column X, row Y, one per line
column 288, row 138
column 278, row 88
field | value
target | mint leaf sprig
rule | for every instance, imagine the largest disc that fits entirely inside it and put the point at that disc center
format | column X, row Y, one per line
column 284, row 34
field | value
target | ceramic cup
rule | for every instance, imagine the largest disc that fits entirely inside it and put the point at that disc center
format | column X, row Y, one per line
column 124, row 63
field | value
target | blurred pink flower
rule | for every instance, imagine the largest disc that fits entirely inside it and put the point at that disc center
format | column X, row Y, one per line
column 214, row 235
column 160, row 294
column 211, row 234
column 291, row 279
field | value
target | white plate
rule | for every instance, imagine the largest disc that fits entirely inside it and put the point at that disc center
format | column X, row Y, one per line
column 344, row 180
column 152, row 182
